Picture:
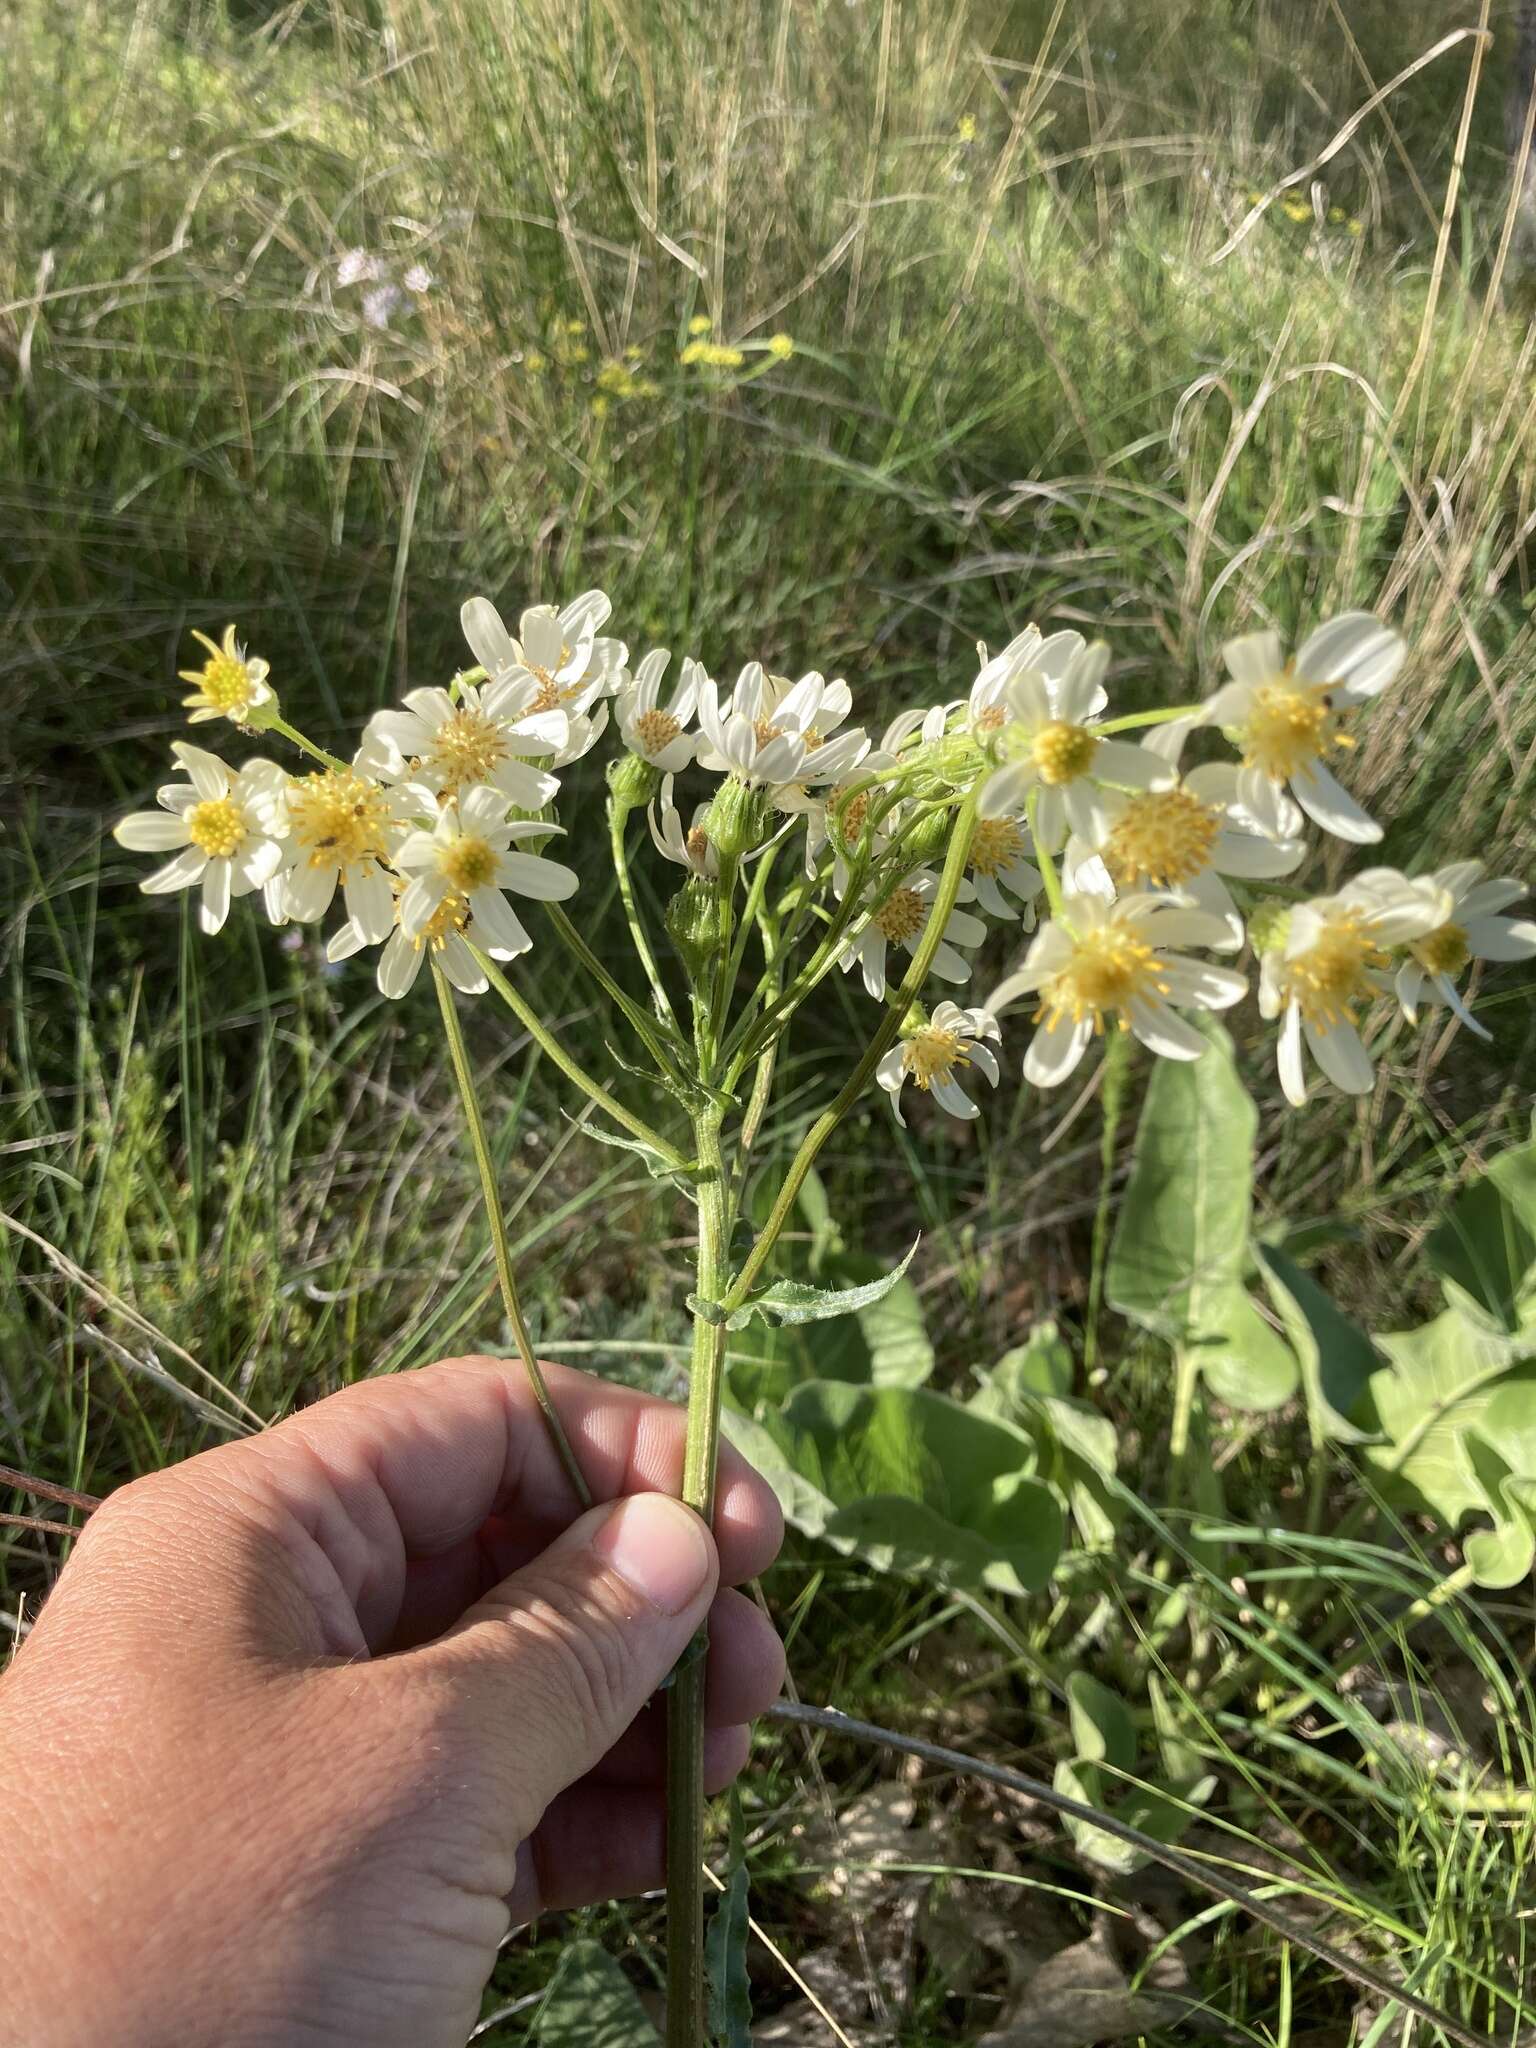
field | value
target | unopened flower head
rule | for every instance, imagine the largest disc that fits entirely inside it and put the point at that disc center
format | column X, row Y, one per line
column 933, row 1054
column 467, row 854
column 1286, row 718
column 230, row 684
column 1470, row 930
column 1100, row 963
column 1333, row 961
column 1051, row 753
column 223, row 829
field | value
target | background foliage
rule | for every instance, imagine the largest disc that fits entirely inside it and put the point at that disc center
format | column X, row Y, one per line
column 1039, row 371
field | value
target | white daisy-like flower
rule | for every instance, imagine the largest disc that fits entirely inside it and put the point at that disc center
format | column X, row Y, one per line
column 467, row 854
column 230, row 684
column 931, row 1056
column 771, row 732
column 481, row 735
column 650, row 729
column 1283, row 717
column 996, row 862
column 443, row 938
column 1331, row 956
column 1048, row 749
column 558, row 651
column 1471, row 930
column 1183, row 839
column 225, row 830
column 901, row 921
column 342, row 826
column 690, row 849
column 1101, row 960
column 1050, row 655
column 586, row 729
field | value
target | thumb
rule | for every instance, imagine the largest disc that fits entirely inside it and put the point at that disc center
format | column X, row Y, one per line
column 553, row 1664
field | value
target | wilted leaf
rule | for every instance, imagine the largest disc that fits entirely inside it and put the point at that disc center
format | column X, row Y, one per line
column 913, row 1482
column 591, row 2004
column 1181, row 1245
column 1484, row 1247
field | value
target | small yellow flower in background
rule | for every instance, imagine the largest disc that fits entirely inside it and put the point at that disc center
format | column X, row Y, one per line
column 1335, row 213
column 965, row 128
column 616, row 379
column 781, row 347
column 1255, row 197
column 713, row 355
column 1295, row 209
column 1351, row 226
column 230, row 684
column 575, row 326
column 534, row 363
column 600, row 406
column 700, row 324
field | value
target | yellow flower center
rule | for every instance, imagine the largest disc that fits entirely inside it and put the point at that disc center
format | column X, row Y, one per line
column 998, row 843
column 766, row 730
column 467, row 748
column 450, row 916
column 216, row 827
column 993, row 719
column 1288, row 725
column 1164, row 837
column 901, row 917
column 1063, row 752
column 226, row 683
column 1442, row 951
column 468, row 863
column 655, row 730
column 1110, row 967
column 932, row 1055
column 552, row 694
column 812, row 740
column 339, row 818
column 1333, row 974
column 849, row 812
column 697, row 843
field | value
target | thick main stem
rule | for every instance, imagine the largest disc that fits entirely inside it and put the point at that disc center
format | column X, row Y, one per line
column 685, row 1701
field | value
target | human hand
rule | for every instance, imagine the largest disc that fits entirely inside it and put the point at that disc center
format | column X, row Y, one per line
column 311, row 1720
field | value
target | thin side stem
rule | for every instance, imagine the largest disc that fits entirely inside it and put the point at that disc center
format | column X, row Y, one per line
column 552, row 1048
column 474, row 1123
column 617, row 820
column 1111, row 1103
column 644, row 1026
column 685, row 1700
column 295, row 738
column 822, row 1129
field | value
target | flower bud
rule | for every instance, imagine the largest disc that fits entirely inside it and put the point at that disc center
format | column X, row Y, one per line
column 737, row 819
column 696, row 925
column 1269, row 926
column 932, row 835
column 633, row 781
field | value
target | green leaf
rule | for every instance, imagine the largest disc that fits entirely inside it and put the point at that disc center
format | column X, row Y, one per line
column 797, row 1301
column 1456, row 1410
column 883, row 1344
column 725, row 1948
column 1181, row 1244
column 657, row 1167
column 1102, row 1728
column 1484, row 1247
column 591, row 2004
column 1335, row 1355
column 912, row 1482
column 1043, row 1364
column 1029, row 1386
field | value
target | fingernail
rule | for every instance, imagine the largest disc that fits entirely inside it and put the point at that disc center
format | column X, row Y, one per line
column 659, row 1547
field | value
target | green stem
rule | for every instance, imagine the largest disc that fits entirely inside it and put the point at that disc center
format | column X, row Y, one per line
column 618, row 817
column 1045, row 861
column 474, row 1123
column 822, row 1129
column 644, row 1027
column 296, row 738
column 685, row 1699
column 1133, row 720
column 554, row 1050
column 1112, row 1102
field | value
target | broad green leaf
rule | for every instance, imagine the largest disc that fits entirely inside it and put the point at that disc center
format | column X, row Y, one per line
column 591, row 2004
column 913, row 1482
column 1457, row 1413
column 1181, row 1245
column 797, row 1301
column 1102, row 1729
column 883, row 1344
column 1095, row 1845
column 1484, row 1247
column 1076, row 1444
column 725, row 1948
column 1043, row 1364
column 1335, row 1355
